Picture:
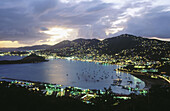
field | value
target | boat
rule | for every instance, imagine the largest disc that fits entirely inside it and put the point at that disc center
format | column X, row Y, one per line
column 117, row 82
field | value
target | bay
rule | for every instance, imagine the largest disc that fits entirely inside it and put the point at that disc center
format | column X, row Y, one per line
column 87, row 75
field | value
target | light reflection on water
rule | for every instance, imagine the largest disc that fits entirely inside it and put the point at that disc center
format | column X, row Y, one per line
column 71, row 73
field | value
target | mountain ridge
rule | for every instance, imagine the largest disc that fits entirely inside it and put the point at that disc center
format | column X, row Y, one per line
column 123, row 44
column 34, row 47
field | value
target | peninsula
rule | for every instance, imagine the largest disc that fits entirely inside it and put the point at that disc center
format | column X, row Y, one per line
column 33, row 58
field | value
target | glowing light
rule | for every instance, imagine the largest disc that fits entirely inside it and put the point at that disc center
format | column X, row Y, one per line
column 12, row 44
column 57, row 34
column 119, row 21
column 101, row 39
column 134, row 11
column 116, row 26
column 113, row 30
column 163, row 39
column 117, row 3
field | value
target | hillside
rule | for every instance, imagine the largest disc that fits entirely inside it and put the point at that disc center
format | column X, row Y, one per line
column 149, row 48
column 75, row 47
column 123, row 45
column 116, row 44
column 75, row 43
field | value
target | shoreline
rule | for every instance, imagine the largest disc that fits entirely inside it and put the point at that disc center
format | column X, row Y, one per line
column 149, row 82
column 40, row 83
column 144, row 77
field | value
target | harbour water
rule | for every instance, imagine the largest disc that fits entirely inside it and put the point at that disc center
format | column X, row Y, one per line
column 87, row 75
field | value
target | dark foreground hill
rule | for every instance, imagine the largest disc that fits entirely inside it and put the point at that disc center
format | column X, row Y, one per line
column 17, row 98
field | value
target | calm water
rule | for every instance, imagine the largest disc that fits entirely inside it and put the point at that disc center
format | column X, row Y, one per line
column 70, row 73
column 10, row 57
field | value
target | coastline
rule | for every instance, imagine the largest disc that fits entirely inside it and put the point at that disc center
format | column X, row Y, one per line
column 146, row 78
column 149, row 82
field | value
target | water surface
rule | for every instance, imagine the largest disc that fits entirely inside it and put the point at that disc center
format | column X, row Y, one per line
column 71, row 73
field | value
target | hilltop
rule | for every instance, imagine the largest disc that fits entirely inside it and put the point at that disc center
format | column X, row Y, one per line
column 123, row 45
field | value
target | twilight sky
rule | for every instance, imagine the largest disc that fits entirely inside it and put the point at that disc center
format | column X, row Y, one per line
column 33, row 22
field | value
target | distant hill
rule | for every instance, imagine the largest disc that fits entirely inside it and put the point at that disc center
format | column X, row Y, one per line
column 35, row 47
column 63, row 44
column 123, row 45
column 75, row 43
column 77, row 46
column 108, row 46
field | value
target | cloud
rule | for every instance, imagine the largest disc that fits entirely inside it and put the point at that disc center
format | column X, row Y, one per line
column 44, row 28
column 22, row 20
column 99, row 7
column 42, row 6
column 155, row 23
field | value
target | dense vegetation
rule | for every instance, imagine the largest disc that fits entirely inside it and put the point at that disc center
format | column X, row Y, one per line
column 158, row 99
column 18, row 98
column 165, row 68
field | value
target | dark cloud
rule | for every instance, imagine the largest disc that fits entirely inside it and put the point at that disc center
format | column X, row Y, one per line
column 22, row 20
column 44, row 28
column 42, row 6
column 153, row 24
column 92, row 31
column 18, row 26
column 99, row 7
